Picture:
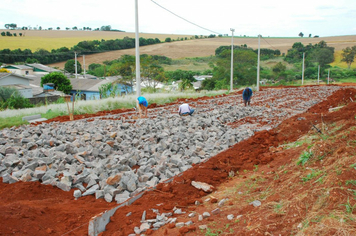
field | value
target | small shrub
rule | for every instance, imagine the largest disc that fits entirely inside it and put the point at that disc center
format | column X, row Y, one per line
column 304, row 157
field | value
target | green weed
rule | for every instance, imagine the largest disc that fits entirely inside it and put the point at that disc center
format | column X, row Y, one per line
column 311, row 175
column 349, row 208
column 304, row 157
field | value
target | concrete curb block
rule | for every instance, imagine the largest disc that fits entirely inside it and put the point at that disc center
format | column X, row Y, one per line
column 97, row 224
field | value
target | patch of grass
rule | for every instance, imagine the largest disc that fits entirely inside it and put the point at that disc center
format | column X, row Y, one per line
column 349, row 208
column 304, row 157
column 210, row 232
column 311, row 175
column 352, row 182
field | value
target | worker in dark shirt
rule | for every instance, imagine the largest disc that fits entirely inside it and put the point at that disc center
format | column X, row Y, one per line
column 246, row 95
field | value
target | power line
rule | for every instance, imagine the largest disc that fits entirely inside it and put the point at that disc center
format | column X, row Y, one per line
column 184, row 18
column 268, row 43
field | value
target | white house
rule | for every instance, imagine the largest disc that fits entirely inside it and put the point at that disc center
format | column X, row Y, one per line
column 19, row 82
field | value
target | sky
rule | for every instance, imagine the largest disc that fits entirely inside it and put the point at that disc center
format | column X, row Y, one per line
column 273, row 18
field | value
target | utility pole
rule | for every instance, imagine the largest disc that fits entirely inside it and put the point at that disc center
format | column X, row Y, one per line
column 258, row 63
column 75, row 65
column 232, row 60
column 318, row 73
column 84, row 64
column 303, row 69
column 137, row 46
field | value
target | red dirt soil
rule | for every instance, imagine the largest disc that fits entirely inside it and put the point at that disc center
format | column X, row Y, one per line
column 34, row 209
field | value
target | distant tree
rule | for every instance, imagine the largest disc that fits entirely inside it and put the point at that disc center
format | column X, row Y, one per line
column 279, row 68
column 301, row 34
column 105, row 28
column 15, row 34
column 93, row 66
column 67, row 28
column 60, row 81
column 11, row 26
column 50, row 28
column 348, row 55
column 185, row 84
column 31, row 60
column 70, row 66
column 8, row 33
column 20, row 34
column 167, row 40
column 58, row 28
column 309, row 35
column 24, row 28
column 40, row 28
column 75, row 28
column 3, row 33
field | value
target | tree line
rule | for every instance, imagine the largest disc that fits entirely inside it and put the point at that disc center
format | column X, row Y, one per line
column 62, row 54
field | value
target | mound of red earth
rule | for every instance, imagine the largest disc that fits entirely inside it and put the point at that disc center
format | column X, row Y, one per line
column 35, row 209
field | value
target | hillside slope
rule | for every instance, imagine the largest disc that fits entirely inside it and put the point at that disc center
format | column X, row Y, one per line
column 207, row 47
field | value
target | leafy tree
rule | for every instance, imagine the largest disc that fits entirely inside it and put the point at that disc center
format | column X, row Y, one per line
column 20, row 34
column 278, row 68
column 60, row 81
column 75, row 28
column 151, row 71
column 185, row 84
column 167, row 40
column 105, row 28
column 93, row 66
column 301, row 34
column 209, row 84
column 108, row 90
column 348, row 55
column 12, row 26
column 3, row 33
column 70, row 66
column 40, row 28
column 8, row 33
column 58, row 28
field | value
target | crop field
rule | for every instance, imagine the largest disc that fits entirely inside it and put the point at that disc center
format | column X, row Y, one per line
column 36, row 39
column 53, row 39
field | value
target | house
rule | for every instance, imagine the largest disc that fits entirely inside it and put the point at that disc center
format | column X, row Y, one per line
column 21, row 83
column 87, row 89
column 39, row 69
column 30, row 69
column 19, row 69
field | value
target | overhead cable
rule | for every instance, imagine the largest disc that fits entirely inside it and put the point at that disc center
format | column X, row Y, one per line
column 184, row 18
column 268, row 43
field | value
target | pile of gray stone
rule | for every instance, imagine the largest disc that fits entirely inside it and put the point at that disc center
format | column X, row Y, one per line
column 117, row 158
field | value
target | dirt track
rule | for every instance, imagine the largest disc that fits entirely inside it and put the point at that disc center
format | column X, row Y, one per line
column 34, row 209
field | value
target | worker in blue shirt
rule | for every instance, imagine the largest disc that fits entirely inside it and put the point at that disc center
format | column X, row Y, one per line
column 142, row 105
column 246, row 95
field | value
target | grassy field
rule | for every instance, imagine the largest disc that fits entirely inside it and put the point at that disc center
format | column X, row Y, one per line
column 176, row 50
column 53, row 39
column 337, row 62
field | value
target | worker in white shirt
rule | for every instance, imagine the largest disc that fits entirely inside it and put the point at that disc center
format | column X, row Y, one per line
column 185, row 110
